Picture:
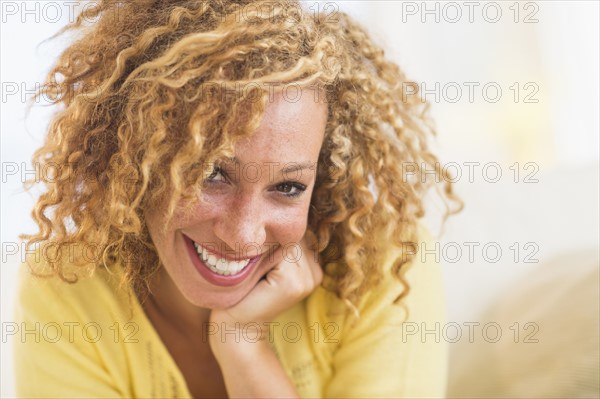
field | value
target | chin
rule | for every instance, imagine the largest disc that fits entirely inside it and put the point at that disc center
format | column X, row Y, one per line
column 216, row 300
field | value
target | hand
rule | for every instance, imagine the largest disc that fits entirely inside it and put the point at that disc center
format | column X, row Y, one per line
column 287, row 283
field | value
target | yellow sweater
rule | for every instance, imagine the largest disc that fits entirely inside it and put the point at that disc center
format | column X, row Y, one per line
column 90, row 339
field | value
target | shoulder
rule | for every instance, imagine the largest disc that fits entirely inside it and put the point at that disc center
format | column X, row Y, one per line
column 93, row 334
column 386, row 331
column 74, row 315
column 418, row 293
column 392, row 306
column 81, row 294
column 424, row 293
column 72, row 327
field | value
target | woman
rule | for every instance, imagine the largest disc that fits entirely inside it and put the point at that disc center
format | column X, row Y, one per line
column 228, row 197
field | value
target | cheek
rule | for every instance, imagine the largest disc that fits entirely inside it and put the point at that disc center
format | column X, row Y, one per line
column 161, row 229
column 154, row 221
column 290, row 226
column 198, row 212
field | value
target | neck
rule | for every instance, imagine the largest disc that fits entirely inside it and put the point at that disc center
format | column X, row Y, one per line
column 172, row 307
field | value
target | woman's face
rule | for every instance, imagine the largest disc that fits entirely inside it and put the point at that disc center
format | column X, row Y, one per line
column 254, row 207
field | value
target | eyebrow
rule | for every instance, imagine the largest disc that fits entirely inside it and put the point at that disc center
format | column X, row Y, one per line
column 291, row 166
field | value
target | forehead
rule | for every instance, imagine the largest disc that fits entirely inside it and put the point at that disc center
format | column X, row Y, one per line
column 290, row 131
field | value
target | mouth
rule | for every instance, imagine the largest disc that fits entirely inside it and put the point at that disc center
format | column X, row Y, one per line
column 217, row 269
column 221, row 266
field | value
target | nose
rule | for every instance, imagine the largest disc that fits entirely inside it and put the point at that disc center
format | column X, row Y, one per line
column 242, row 225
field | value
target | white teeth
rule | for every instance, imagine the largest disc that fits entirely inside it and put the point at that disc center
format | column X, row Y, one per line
column 220, row 265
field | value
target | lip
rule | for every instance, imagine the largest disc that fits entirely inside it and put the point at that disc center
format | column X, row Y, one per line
column 214, row 278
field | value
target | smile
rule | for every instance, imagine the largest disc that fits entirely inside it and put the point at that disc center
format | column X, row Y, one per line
column 218, row 265
column 217, row 269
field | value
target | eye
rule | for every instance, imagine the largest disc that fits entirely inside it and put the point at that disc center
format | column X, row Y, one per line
column 217, row 175
column 291, row 189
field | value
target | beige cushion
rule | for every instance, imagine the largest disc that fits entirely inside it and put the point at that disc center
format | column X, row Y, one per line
column 561, row 301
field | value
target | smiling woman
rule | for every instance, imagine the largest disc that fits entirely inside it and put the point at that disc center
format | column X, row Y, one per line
column 230, row 211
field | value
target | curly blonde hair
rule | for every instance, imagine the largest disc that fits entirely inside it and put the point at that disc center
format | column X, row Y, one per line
column 153, row 90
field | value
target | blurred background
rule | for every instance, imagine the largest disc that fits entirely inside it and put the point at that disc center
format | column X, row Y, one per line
column 514, row 92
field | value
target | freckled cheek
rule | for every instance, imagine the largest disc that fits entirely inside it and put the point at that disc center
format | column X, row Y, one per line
column 289, row 227
column 212, row 206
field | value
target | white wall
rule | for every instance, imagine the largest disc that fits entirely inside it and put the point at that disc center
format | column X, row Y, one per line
column 554, row 138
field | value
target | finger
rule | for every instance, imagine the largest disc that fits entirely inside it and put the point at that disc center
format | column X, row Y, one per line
column 298, row 273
